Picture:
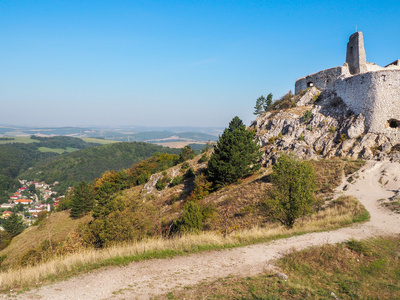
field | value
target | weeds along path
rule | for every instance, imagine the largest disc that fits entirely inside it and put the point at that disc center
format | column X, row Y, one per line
column 377, row 180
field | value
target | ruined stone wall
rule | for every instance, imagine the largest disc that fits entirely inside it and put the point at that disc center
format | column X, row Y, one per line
column 377, row 96
column 321, row 80
column 355, row 55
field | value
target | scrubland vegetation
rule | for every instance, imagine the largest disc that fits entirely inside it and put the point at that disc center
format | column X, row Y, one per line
column 128, row 215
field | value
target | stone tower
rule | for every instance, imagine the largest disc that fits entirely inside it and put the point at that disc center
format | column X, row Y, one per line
column 355, row 56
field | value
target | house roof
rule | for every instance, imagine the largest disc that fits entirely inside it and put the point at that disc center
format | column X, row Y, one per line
column 23, row 200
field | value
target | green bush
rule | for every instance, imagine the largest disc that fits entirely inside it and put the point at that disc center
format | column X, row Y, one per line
column 162, row 182
column 194, row 217
column 293, row 193
column 184, row 166
column 307, row 116
column 204, row 158
column 186, row 153
column 189, row 173
column 177, row 180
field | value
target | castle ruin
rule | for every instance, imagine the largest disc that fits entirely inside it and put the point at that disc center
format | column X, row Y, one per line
column 364, row 87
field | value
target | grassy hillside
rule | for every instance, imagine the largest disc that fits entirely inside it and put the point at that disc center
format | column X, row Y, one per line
column 50, row 233
column 90, row 163
column 235, row 217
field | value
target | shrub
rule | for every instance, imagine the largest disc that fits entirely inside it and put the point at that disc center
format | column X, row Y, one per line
column 307, row 116
column 189, row 173
column 204, row 158
column 160, row 185
column 186, row 153
column 284, row 102
column 194, row 217
column 271, row 140
column 301, row 138
column 143, row 177
column 317, row 98
column 177, row 180
column 129, row 220
column 162, row 182
column 14, row 225
column 202, row 188
column 293, row 192
column 184, row 166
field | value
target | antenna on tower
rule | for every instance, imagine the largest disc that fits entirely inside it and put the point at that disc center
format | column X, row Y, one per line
column 356, row 28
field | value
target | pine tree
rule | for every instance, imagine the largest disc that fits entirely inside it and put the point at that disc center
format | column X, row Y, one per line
column 268, row 102
column 82, row 200
column 104, row 201
column 236, row 155
column 260, row 104
column 14, row 225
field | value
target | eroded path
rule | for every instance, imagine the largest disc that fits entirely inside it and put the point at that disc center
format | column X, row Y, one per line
column 377, row 180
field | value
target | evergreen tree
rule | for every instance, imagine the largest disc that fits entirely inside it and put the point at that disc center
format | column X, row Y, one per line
column 82, row 200
column 104, row 200
column 268, row 102
column 236, row 155
column 293, row 193
column 260, row 104
column 14, row 225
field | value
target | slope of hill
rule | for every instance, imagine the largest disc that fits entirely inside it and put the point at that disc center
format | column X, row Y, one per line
column 18, row 154
column 88, row 164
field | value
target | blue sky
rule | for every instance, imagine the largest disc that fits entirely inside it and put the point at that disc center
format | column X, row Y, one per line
column 172, row 63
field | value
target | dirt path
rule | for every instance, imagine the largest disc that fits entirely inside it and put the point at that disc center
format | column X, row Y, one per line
column 155, row 277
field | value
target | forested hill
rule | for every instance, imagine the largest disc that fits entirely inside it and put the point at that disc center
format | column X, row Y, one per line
column 90, row 163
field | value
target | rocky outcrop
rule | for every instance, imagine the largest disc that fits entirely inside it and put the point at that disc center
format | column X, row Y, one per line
column 321, row 125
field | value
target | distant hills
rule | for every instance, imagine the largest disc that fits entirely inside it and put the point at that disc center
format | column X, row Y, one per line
column 65, row 159
column 154, row 135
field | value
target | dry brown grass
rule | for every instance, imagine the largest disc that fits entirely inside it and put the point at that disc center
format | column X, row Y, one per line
column 55, row 229
column 329, row 174
column 337, row 215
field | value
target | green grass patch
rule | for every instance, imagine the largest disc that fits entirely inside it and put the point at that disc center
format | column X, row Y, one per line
column 363, row 216
column 99, row 141
column 19, row 139
column 367, row 269
column 59, row 151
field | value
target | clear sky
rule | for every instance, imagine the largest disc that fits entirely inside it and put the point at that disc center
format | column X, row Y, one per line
column 173, row 63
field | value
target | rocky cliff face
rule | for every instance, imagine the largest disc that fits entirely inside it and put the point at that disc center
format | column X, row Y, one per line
column 319, row 125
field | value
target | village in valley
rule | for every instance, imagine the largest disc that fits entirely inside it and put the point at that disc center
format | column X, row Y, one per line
column 30, row 201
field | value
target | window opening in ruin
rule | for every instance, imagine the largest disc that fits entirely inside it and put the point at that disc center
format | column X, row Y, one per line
column 393, row 123
column 310, row 84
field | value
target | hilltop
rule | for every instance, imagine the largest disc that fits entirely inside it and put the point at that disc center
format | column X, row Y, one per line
column 313, row 124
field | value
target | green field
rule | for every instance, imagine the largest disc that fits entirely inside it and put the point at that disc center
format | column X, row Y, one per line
column 99, row 141
column 19, row 139
column 59, row 151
